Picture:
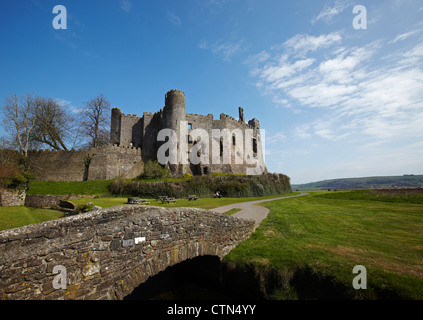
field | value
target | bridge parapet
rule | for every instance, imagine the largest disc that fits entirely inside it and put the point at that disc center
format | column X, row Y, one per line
column 107, row 253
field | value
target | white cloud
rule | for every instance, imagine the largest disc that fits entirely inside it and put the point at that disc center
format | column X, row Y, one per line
column 223, row 48
column 173, row 18
column 125, row 5
column 68, row 105
column 362, row 91
column 255, row 60
column 302, row 131
column 321, row 94
column 303, row 43
column 417, row 51
column 278, row 137
column 278, row 72
column 329, row 12
column 403, row 36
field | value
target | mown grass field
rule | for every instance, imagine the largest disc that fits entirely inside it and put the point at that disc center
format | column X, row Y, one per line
column 204, row 203
column 13, row 217
column 330, row 233
column 74, row 187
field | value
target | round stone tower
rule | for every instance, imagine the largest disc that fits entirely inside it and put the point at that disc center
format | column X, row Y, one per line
column 174, row 110
column 173, row 115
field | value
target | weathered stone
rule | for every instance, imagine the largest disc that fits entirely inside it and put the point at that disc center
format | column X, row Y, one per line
column 101, row 249
column 128, row 243
column 116, row 244
column 12, row 198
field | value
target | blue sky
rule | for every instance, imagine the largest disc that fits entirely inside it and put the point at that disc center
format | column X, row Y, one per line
column 334, row 101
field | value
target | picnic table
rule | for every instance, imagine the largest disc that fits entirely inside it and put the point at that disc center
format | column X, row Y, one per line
column 192, row 197
column 137, row 201
column 168, row 200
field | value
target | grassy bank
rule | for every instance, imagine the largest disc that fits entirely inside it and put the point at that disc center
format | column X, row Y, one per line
column 73, row 187
column 13, row 217
column 230, row 185
column 385, row 195
column 319, row 236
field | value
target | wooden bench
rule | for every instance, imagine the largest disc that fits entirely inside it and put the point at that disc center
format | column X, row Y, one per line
column 192, row 197
column 143, row 201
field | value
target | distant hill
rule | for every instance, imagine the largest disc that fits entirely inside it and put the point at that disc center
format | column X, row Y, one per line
column 405, row 181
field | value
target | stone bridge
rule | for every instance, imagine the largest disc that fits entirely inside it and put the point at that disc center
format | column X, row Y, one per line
column 105, row 254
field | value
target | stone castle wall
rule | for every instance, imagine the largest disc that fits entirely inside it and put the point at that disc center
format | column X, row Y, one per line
column 101, row 163
column 57, row 165
column 112, row 161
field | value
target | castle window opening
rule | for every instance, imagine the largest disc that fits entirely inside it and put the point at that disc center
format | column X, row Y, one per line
column 254, row 145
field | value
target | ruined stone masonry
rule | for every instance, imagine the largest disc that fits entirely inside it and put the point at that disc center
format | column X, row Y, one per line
column 12, row 198
column 107, row 253
column 141, row 132
column 134, row 142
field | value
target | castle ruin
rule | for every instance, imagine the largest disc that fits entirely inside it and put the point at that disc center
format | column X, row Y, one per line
column 131, row 131
column 134, row 141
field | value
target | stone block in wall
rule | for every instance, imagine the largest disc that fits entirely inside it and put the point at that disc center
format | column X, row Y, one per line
column 12, row 198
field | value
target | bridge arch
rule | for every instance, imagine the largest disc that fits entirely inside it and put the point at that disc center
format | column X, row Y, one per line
column 108, row 253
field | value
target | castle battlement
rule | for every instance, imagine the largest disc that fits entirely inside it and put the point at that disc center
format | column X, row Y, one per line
column 175, row 91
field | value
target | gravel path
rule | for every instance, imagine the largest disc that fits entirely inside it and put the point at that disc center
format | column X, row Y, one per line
column 249, row 210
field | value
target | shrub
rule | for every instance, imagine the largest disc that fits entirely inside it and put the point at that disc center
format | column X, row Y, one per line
column 14, row 178
column 152, row 169
column 205, row 186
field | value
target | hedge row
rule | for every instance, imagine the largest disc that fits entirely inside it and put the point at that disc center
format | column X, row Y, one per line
column 205, row 186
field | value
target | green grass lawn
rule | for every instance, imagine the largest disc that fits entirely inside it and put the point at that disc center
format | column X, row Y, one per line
column 232, row 211
column 330, row 236
column 13, row 217
column 204, row 203
column 385, row 195
column 74, row 187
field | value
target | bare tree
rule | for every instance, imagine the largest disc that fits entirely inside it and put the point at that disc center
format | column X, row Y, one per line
column 53, row 125
column 96, row 121
column 19, row 120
